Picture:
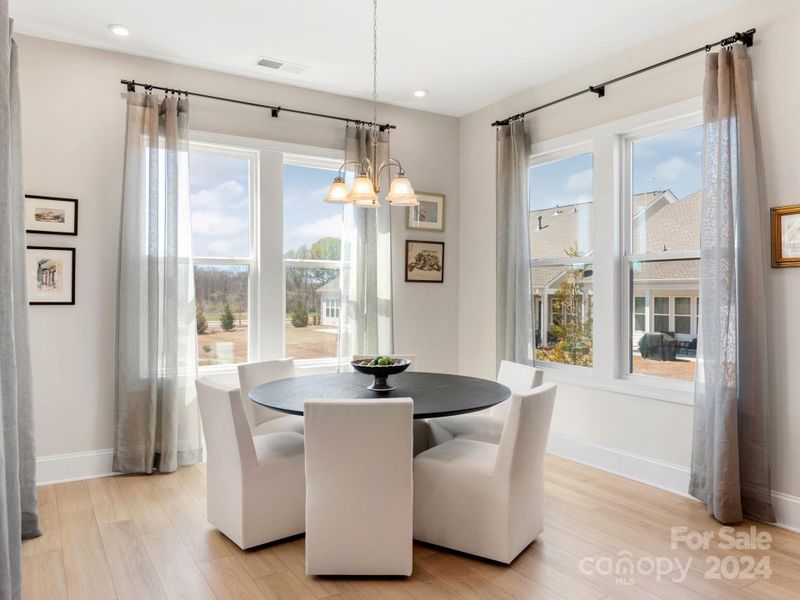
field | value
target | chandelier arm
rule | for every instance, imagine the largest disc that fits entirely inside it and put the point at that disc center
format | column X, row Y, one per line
column 390, row 162
column 360, row 163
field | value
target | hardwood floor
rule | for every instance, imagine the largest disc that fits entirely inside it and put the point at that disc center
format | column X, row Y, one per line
column 147, row 537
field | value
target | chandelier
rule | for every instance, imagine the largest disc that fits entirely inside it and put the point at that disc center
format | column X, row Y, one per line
column 366, row 187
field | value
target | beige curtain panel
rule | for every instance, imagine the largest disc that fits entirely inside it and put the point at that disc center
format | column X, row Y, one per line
column 157, row 417
column 730, row 453
column 514, row 337
column 18, row 511
column 365, row 325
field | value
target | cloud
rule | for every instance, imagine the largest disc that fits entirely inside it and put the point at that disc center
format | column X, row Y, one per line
column 315, row 230
column 579, row 182
column 228, row 194
column 314, row 196
column 674, row 169
column 216, row 224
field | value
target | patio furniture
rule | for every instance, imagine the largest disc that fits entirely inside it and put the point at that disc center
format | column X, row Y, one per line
column 658, row 346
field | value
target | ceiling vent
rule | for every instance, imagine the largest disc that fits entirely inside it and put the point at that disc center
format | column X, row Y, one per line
column 282, row 66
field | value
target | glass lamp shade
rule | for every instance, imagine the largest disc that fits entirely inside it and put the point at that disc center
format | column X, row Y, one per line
column 401, row 193
column 338, row 192
column 363, row 193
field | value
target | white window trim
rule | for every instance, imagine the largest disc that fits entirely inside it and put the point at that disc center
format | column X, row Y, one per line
column 610, row 285
column 251, row 261
column 268, row 298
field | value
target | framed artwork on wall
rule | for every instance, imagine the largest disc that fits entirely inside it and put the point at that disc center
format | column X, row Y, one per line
column 50, row 273
column 429, row 215
column 424, row 261
column 48, row 214
column 786, row 236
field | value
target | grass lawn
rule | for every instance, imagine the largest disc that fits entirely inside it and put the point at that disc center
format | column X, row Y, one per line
column 216, row 346
column 314, row 341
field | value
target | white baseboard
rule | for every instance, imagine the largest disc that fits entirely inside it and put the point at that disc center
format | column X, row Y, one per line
column 787, row 510
column 667, row 476
column 74, row 466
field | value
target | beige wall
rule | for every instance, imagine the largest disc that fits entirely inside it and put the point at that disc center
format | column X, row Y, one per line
column 645, row 426
column 73, row 126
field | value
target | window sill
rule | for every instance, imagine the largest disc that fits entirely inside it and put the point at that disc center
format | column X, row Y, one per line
column 664, row 390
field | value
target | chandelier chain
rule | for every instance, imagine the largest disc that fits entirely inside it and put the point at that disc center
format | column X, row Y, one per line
column 374, row 71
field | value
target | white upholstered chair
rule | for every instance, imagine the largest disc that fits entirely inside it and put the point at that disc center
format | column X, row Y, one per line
column 359, row 493
column 256, row 485
column 486, row 425
column 262, row 419
column 487, row 499
column 421, row 434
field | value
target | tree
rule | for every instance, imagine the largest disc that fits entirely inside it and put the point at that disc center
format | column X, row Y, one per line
column 202, row 322
column 226, row 320
column 572, row 319
column 299, row 315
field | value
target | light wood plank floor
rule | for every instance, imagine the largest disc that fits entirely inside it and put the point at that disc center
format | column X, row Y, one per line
column 147, row 537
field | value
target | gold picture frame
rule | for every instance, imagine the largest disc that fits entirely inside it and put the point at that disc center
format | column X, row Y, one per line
column 785, row 235
column 429, row 215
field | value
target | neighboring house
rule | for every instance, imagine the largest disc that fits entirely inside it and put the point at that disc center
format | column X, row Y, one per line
column 666, row 294
column 329, row 301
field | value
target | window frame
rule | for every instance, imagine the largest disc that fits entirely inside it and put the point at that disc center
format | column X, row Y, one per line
column 543, row 157
column 268, row 295
column 612, row 332
column 250, row 262
column 628, row 256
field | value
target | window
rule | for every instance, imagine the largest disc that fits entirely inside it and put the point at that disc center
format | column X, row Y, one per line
column 561, row 205
column 639, row 313
column 661, row 314
column 663, row 249
column 266, row 251
column 683, row 315
column 614, row 226
column 312, row 232
column 222, row 185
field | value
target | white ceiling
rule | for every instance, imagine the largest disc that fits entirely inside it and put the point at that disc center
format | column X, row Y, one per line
column 466, row 54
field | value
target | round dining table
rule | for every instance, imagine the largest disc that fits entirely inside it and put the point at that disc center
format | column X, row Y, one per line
column 434, row 394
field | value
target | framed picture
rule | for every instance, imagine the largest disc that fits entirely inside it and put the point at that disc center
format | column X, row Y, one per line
column 786, row 236
column 429, row 215
column 51, row 275
column 47, row 214
column 424, row 261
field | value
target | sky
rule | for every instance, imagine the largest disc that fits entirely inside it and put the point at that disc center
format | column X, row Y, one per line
column 306, row 217
column 665, row 162
column 220, row 210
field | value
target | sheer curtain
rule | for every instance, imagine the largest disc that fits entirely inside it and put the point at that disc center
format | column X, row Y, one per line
column 18, row 511
column 730, row 452
column 365, row 324
column 514, row 336
column 157, row 419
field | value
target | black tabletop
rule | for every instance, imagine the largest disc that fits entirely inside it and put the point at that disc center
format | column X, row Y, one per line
column 434, row 394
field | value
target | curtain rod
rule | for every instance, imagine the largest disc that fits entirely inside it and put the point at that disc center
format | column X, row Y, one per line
column 600, row 89
column 274, row 110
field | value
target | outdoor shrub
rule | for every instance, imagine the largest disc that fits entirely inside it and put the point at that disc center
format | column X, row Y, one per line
column 202, row 322
column 226, row 320
column 299, row 315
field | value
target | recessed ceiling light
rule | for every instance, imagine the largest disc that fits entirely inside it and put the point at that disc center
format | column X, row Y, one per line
column 119, row 30
column 420, row 93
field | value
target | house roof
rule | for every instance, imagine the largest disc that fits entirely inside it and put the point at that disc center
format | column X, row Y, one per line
column 332, row 286
column 660, row 221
